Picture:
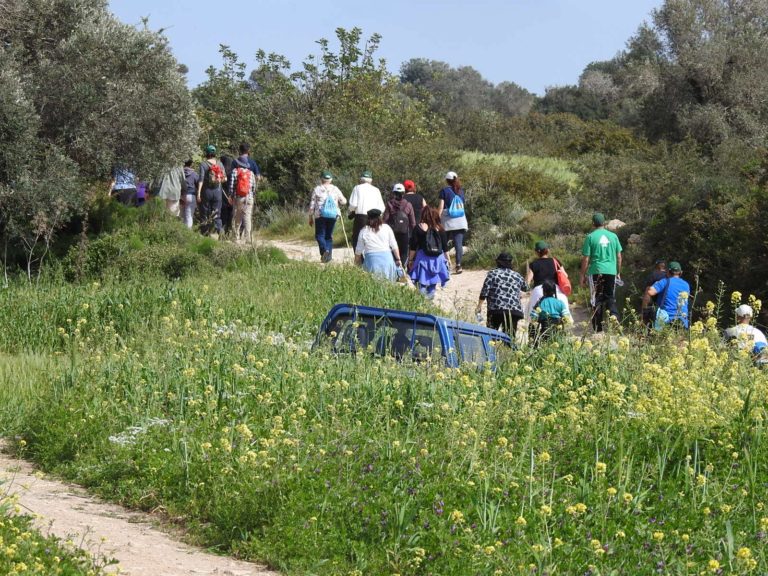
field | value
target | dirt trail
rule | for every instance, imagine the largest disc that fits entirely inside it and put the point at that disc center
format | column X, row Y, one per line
column 110, row 531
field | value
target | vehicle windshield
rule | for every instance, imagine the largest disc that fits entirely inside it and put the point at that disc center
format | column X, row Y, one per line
column 383, row 335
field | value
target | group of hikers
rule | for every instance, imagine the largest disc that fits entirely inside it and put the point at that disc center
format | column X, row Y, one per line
column 406, row 239
column 221, row 189
column 403, row 238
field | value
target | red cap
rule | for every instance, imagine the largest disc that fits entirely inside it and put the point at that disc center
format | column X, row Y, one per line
column 409, row 185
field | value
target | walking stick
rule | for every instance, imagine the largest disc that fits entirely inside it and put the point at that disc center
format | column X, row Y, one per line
column 343, row 229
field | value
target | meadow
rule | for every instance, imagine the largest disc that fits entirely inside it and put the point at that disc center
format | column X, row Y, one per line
column 203, row 398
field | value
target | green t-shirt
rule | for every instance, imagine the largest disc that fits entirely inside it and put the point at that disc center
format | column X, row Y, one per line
column 602, row 247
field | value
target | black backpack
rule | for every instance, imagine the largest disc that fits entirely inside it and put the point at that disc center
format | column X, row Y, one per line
column 432, row 245
column 399, row 221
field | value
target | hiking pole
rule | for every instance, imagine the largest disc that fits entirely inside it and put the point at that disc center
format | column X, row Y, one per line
column 343, row 229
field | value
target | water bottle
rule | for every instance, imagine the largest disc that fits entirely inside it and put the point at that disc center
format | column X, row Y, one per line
column 479, row 317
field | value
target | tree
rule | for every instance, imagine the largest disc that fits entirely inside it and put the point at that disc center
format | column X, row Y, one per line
column 80, row 92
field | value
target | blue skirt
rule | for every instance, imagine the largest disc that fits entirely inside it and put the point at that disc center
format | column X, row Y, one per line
column 381, row 264
column 429, row 270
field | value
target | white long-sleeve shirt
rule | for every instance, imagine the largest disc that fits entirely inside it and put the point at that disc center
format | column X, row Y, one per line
column 319, row 196
column 381, row 241
column 365, row 197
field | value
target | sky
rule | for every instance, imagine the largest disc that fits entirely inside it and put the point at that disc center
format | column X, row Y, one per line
column 534, row 43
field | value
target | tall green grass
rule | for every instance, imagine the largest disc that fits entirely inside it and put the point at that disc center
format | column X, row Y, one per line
column 556, row 168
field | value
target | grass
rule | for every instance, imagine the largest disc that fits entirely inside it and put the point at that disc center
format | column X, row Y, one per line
column 557, row 168
column 205, row 397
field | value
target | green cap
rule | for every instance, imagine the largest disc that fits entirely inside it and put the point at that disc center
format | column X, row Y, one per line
column 366, row 174
column 210, row 149
column 675, row 267
column 541, row 245
column 326, row 175
column 598, row 219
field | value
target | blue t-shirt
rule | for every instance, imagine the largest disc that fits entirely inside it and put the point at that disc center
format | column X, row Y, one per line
column 673, row 305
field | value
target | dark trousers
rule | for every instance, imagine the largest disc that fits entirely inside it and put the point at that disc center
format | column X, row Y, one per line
column 324, row 234
column 126, row 197
column 458, row 243
column 505, row 319
column 360, row 222
column 210, row 210
column 402, row 239
column 227, row 212
column 605, row 299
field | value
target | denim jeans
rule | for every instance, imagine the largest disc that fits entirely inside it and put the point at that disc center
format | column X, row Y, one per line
column 324, row 234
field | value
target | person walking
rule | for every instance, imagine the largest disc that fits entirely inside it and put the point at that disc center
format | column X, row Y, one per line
column 415, row 199
column 547, row 314
column 376, row 249
column 122, row 186
column 452, row 213
column 172, row 186
column 744, row 335
column 501, row 290
column 209, row 192
column 428, row 258
column 542, row 268
column 189, row 199
column 242, row 193
column 601, row 259
column 400, row 217
column 365, row 196
column 672, row 298
column 323, row 213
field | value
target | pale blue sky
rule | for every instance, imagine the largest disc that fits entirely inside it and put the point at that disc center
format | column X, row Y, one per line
column 534, row 43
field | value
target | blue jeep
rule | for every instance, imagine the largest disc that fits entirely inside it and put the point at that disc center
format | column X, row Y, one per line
column 409, row 335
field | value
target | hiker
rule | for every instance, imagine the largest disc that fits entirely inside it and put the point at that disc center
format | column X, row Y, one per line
column 414, row 198
column 189, row 199
column 659, row 272
column 242, row 189
column 122, row 186
column 209, row 192
column 365, row 196
column 454, row 219
column 542, row 268
column 172, row 185
column 601, row 260
column 227, row 204
column 672, row 301
column 142, row 191
column 323, row 212
column 501, row 289
column 428, row 259
column 547, row 314
column 401, row 218
column 745, row 336
column 376, row 248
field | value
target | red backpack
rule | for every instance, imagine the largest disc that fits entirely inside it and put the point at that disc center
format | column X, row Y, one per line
column 243, row 178
column 215, row 175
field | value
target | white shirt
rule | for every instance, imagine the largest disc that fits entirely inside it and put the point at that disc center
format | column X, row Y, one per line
column 365, row 197
column 747, row 334
column 381, row 241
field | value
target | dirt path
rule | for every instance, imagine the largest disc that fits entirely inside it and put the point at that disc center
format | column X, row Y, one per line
column 110, row 531
column 458, row 299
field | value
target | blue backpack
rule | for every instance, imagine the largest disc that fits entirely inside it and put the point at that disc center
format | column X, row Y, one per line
column 456, row 209
column 329, row 209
